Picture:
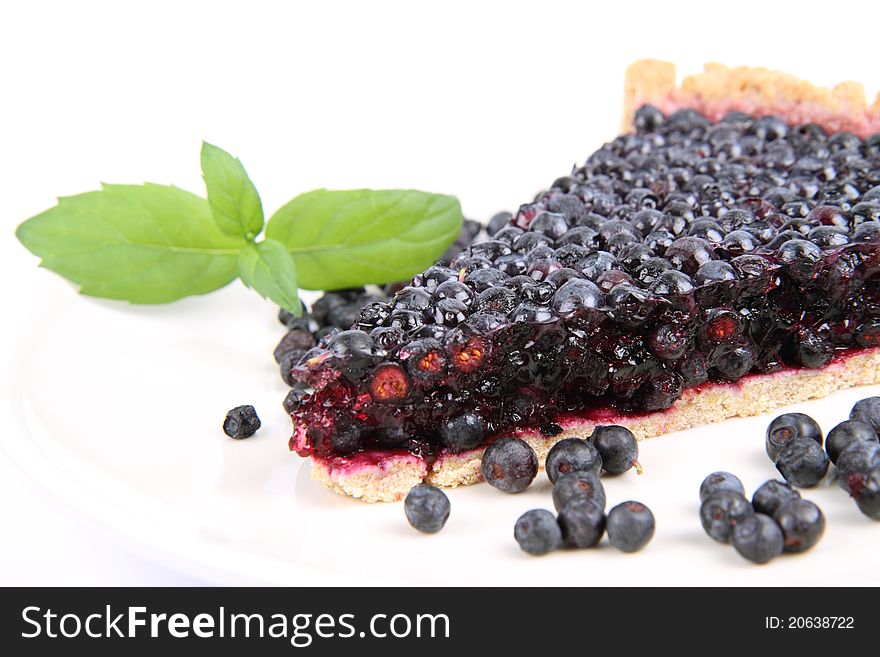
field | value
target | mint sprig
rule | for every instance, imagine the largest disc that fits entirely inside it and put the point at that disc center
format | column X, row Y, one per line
column 157, row 243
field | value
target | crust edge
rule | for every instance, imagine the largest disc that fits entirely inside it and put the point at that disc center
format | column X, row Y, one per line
column 393, row 477
column 719, row 89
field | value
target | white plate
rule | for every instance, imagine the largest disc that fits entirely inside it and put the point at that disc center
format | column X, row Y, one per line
column 120, row 410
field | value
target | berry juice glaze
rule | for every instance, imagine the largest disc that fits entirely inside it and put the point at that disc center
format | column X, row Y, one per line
column 686, row 255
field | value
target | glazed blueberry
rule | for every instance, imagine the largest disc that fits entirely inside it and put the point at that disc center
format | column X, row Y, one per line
column 292, row 399
column 497, row 222
column 721, row 512
column 582, row 522
column 867, row 411
column 572, row 455
column 771, row 495
column 618, row 448
column 868, row 499
column 845, row 434
column 802, row 462
column 630, row 526
column 578, row 484
column 758, row 538
column 802, row 524
column 509, row 464
column 720, row 481
column 854, row 463
column 537, row 532
column 786, row 428
column 295, row 340
column 427, row 508
column 241, row 422
column 463, row 432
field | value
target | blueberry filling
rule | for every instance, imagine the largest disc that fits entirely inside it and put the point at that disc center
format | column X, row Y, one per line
column 684, row 253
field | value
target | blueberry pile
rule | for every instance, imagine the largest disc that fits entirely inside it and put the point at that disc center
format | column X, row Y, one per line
column 795, row 443
column 687, row 252
column 574, row 466
column 777, row 519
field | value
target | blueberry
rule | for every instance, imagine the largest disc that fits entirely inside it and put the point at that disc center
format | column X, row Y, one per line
column 346, row 439
column 427, row 508
column 854, row 463
column 295, row 340
column 578, row 484
column 618, row 448
column 576, row 296
column 463, row 432
column 802, row 462
column 802, row 524
column 720, row 481
column 241, row 422
column 868, row 499
column 630, row 526
column 497, row 222
column 867, row 411
column 292, row 399
column 509, row 464
column 572, row 455
column 537, row 532
column 582, row 522
column 845, row 434
column 771, row 495
column 786, row 428
column 758, row 538
column 288, row 362
column 722, row 511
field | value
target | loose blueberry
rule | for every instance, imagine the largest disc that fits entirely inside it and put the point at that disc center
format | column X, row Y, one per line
column 771, row 495
column 618, row 448
column 868, row 499
column 802, row 462
column 582, row 522
column 578, row 484
column 241, row 422
column 854, row 463
column 786, row 428
column 845, row 434
column 867, row 411
column 509, row 464
column 537, row 532
column 630, row 526
column 572, row 455
column 722, row 511
column 802, row 524
column 758, row 538
column 427, row 508
column 720, row 481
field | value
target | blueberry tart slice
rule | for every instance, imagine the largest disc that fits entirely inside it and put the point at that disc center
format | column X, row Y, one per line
column 720, row 258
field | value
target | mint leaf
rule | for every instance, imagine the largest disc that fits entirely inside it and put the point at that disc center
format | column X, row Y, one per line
column 140, row 243
column 343, row 239
column 268, row 268
column 231, row 194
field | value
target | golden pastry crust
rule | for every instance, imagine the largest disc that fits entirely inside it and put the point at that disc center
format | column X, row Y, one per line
column 719, row 89
column 753, row 395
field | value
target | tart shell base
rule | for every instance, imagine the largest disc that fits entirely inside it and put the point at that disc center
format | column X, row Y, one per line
column 388, row 476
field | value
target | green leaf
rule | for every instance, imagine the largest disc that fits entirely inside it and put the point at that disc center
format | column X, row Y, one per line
column 268, row 268
column 140, row 243
column 343, row 239
column 234, row 199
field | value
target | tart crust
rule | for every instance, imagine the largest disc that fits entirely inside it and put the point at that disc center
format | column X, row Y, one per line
column 719, row 89
column 387, row 478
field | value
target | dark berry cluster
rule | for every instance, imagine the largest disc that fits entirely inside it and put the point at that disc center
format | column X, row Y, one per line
column 687, row 252
column 777, row 519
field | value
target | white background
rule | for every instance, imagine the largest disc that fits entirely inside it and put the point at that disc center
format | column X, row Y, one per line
column 487, row 101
